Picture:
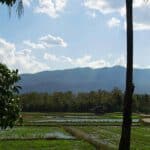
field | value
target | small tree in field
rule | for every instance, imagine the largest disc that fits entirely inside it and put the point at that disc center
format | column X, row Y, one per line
column 9, row 101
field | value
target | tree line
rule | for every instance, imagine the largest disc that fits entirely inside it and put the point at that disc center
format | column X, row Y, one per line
column 81, row 102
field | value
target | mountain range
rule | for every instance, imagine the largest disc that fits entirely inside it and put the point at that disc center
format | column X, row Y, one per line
column 84, row 80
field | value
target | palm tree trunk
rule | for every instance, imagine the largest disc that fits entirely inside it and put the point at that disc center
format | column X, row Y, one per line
column 127, row 110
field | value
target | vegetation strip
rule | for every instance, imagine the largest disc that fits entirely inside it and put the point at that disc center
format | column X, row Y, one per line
column 77, row 124
column 82, row 135
column 33, row 139
column 95, row 102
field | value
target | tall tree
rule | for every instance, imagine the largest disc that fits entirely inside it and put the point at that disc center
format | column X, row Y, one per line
column 127, row 111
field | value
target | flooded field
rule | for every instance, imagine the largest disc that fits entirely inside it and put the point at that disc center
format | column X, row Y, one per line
column 80, row 120
column 49, row 131
column 85, row 119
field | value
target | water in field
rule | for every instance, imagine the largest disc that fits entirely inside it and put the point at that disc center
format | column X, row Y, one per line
column 79, row 119
column 58, row 135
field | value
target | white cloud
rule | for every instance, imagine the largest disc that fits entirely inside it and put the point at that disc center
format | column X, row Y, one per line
column 111, row 6
column 22, row 60
column 50, row 40
column 103, row 6
column 121, row 61
column 137, row 26
column 113, row 22
column 33, row 45
column 27, row 2
column 88, row 61
column 51, row 8
column 47, row 41
column 50, row 57
column 122, row 11
column 26, row 62
column 85, row 61
column 98, row 64
column 141, row 3
column 91, row 14
column 141, row 26
column 141, row 11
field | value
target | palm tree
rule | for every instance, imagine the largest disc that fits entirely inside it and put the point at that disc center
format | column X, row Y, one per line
column 11, row 3
column 127, row 110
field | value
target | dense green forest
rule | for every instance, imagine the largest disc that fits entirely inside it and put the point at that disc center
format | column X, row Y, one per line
column 81, row 102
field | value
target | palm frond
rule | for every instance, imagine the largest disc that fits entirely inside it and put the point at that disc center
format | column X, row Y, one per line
column 20, row 8
column 11, row 3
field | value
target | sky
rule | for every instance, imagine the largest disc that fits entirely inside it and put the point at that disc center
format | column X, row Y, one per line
column 62, row 34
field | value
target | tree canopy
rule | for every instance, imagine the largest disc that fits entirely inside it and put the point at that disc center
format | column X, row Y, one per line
column 9, row 101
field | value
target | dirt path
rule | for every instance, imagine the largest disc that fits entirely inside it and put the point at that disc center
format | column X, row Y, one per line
column 84, row 136
column 146, row 120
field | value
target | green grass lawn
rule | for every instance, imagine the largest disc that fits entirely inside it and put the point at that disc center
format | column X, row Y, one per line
column 33, row 132
column 40, row 132
column 46, row 145
column 111, row 135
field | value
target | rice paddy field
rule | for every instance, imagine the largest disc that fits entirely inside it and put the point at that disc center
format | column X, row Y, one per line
column 73, row 131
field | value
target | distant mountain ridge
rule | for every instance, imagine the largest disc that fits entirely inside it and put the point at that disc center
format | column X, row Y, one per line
column 84, row 80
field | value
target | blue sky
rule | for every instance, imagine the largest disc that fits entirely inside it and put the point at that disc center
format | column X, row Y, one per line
column 62, row 34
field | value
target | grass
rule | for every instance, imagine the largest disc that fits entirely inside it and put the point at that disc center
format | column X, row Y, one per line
column 111, row 135
column 46, row 145
column 33, row 132
column 40, row 132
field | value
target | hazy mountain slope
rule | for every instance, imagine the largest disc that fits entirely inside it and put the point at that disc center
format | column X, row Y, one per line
column 84, row 79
